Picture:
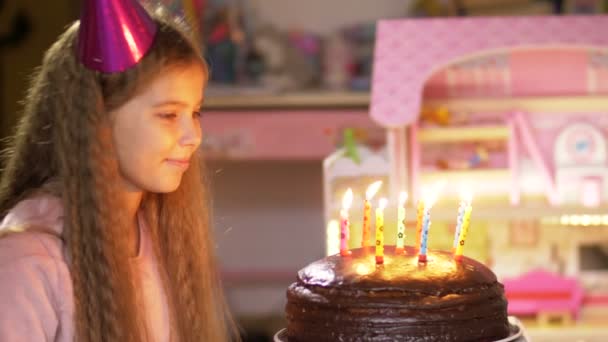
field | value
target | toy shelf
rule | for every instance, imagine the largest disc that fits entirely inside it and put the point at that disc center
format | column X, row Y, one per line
column 316, row 99
column 477, row 175
column 280, row 134
column 468, row 133
column 538, row 104
column 362, row 99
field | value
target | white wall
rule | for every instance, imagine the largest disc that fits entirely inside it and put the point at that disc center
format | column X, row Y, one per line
column 268, row 217
column 269, row 211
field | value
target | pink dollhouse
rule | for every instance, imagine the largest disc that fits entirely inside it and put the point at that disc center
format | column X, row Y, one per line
column 520, row 73
column 514, row 109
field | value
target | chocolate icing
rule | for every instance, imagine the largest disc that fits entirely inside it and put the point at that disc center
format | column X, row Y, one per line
column 353, row 299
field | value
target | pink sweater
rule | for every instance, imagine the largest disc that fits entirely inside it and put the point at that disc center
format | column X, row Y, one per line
column 36, row 297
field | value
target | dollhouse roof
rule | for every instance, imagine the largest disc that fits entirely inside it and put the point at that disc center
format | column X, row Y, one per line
column 409, row 51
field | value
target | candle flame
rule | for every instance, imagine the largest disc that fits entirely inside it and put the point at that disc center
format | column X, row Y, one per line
column 439, row 186
column 402, row 198
column 424, row 193
column 429, row 199
column 431, row 196
column 382, row 203
column 466, row 195
column 372, row 190
column 347, row 199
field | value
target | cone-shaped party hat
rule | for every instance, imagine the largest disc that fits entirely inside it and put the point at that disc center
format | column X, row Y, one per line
column 114, row 34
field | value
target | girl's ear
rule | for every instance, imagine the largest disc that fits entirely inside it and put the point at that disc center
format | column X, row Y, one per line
column 104, row 128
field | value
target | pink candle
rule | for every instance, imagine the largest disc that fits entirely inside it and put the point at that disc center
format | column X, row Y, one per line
column 347, row 199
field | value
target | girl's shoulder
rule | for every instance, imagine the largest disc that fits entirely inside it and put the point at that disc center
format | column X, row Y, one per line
column 32, row 230
column 35, row 286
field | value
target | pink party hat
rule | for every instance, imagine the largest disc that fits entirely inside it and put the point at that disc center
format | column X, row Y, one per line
column 114, row 34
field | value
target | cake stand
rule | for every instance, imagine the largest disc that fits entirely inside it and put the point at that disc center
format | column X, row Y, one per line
column 518, row 333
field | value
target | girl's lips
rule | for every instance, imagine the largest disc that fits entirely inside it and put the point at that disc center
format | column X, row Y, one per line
column 181, row 163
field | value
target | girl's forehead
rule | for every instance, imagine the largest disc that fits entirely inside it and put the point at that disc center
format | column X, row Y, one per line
column 181, row 82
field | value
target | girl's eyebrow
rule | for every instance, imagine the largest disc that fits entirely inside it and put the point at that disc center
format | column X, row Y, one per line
column 171, row 102
column 175, row 103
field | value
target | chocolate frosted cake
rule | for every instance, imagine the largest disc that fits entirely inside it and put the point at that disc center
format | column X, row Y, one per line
column 353, row 299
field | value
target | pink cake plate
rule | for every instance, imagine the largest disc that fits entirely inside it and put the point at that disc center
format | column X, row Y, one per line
column 518, row 333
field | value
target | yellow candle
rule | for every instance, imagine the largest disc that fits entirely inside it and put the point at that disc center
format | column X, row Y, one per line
column 380, row 231
column 466, row 220
column 465, row 200
column 367, row 211
column 401, row 223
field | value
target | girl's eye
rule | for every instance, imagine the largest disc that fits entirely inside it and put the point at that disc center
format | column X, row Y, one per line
column 197, row 113
column 167, row 116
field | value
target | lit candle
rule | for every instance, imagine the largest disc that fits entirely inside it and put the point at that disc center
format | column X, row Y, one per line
column 401, row 223
column 367, row 211
column 461, row 208
column 347, row 200
column 466, row 220
column 419, row 217
column 380, row 231
column 426, row 226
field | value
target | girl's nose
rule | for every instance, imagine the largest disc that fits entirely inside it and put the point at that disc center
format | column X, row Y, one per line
column 191, row 133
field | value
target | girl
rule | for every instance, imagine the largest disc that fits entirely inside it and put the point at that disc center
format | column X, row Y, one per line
column 105, row 234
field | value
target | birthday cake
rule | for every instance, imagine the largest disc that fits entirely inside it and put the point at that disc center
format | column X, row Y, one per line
column 351, row 298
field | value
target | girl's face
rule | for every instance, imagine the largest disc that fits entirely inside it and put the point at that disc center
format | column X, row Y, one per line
column 157, row 131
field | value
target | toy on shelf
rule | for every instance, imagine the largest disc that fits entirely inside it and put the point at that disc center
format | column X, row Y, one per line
column 289, row 62
column 225, row 43
column 478, row 158
column 350, row 145
column 336, row 61
column 440, row 116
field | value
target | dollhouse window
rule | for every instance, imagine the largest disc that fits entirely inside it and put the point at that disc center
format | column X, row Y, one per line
column 476, row 76
column 593, row 257
column 580, row 144
column 523, row 233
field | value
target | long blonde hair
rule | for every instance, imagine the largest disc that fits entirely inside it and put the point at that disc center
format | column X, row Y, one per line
column 64, row 137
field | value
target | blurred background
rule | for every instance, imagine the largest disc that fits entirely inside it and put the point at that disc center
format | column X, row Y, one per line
column 288, row 102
